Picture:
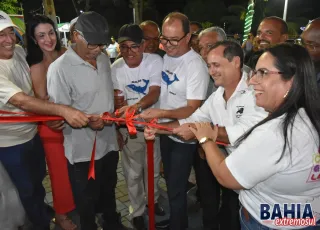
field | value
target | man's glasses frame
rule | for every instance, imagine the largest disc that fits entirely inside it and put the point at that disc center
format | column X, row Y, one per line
column 134, row 48
column 173, row 42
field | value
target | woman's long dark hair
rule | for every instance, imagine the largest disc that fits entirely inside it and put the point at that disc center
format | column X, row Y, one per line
column 295, row 62
column 35, row 54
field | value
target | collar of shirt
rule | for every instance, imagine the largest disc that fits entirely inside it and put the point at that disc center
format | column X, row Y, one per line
column 242, row 87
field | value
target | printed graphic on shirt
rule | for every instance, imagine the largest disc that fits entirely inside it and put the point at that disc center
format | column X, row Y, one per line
column 139, row 86
column 239, row 112
column 169, row 80
column 315, row 170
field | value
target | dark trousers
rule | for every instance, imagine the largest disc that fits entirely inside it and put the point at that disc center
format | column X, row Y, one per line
column 177, row 161
column 229, row 216
column 209, row 193
column 25, row 164
column 95, row 196
column 209, row 190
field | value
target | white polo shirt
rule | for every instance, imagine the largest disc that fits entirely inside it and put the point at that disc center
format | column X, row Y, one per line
column 135, row 82
column 183, row 78
column 239, row 114
column 72, row 81
column 15, row 78
column 293, row 179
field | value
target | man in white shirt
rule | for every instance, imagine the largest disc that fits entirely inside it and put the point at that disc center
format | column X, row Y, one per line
column 138, row 76
column 81, row 78
column 21, row 151
column 232, row 107
column 183, row 88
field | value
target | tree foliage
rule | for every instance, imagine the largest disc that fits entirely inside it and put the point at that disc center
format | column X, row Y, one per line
column 10, row 6
column 235, row 19
column 205, row 10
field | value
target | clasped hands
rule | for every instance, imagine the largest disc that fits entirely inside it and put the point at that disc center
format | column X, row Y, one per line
column 198, row 130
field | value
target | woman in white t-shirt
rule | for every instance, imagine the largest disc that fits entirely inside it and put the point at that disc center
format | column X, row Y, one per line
column 277, row 161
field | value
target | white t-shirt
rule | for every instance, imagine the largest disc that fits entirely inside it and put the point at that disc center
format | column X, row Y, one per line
column 183, row 78
column 254, row 165
column 239, row 114
column 15, row 78
column 74, row 82
column 135, row 82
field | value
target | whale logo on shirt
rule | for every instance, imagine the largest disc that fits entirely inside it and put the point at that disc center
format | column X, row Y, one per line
column 139, row 89
column 167, row 80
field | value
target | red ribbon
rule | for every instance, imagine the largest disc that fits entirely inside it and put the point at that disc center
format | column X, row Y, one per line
column 92, row 173
column 150, row 164
column 129, row 120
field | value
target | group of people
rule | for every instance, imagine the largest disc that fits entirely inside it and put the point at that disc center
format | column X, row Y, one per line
column 265, row 112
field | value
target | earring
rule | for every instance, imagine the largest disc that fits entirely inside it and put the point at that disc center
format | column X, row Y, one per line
column 286, row 94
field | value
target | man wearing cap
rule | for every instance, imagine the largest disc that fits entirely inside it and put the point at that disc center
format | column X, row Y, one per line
column 21, row 151
column 81, row 78
column 310, row 38
column 183, row 88
column 138, row 76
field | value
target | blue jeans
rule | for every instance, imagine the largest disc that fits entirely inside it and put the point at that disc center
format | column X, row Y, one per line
column 25, row 164
column 253, row 224
column 177, row 161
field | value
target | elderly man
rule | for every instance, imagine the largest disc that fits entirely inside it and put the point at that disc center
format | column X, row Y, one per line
column 151, row 33
column 183, row 88
column 21, row 151
column 138, row 76
column 310, row 38
column 81, row 77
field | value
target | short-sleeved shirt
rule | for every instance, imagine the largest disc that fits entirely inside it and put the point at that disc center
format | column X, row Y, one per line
column 183, row 78
column 294, row 179
column 15, row 78
column 72, row 81
column 135, row 82
column 237, row 115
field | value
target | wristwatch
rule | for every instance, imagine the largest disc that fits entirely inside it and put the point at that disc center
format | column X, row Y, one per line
column 204, row 140
column 139, row 108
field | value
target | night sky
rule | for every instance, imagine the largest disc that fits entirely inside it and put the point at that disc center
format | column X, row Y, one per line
column 65, row 10
column 118, row 16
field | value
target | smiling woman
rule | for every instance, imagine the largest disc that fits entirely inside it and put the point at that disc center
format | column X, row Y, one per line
column 273, row 163
column 43, row 49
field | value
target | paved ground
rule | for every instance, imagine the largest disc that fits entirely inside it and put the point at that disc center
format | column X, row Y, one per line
column 123, row 203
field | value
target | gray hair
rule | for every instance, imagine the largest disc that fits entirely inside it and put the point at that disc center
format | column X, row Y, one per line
column 221, row 34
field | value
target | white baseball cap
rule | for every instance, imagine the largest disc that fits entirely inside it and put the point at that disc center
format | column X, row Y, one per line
column 5, row 21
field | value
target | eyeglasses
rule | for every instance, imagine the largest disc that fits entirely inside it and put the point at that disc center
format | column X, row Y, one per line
column 92, row 46
column 173, row 42
column 133, row 48
column 261, row 73
column 309, row 46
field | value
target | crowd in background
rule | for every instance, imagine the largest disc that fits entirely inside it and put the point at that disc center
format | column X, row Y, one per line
column 259, row 100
